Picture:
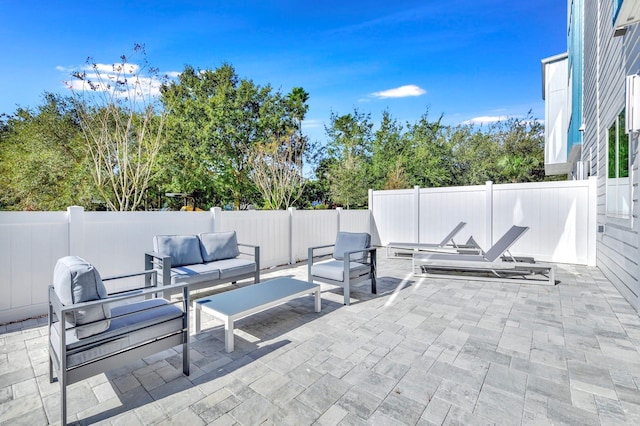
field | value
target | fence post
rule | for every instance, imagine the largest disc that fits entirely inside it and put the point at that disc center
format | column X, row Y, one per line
column 291, row 236
column 216, row 217
column 75, row 215
column 338, row 217
column 488, row 211
column 373, row 229
column 592, row 222
column 416, row 213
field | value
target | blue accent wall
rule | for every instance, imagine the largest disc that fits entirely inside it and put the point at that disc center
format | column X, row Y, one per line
column 616, row 8
column 575, row 51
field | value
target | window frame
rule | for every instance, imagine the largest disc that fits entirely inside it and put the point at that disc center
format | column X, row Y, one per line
column 619, row 171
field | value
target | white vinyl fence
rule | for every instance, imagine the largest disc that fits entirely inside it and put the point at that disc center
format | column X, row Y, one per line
column 115, row 242
column 561, row 217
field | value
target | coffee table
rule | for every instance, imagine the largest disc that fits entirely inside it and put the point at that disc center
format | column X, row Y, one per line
column 242, row 302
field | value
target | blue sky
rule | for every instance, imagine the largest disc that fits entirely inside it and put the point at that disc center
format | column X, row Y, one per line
column 469, row 60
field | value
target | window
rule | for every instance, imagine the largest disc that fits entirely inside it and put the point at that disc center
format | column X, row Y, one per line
column 618, row 182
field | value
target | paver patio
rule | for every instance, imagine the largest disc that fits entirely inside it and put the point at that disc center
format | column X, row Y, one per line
column 422, row 351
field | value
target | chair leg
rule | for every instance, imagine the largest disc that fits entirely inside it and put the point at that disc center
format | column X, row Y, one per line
column 50, row 369
column 63, row 397
column 347, row 291
column 186, row 359
column 373, row 273
column 185, row 355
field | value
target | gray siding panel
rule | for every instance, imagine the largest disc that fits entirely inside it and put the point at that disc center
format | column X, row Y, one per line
column 608, row 60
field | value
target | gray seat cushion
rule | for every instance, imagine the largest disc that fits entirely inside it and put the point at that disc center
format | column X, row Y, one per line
column 230, row 268
column 334, row 270
column 197, row 273
column 75, row 281
column 183, row 249
column 154, row 318
column 350, row 241
column 218, row 245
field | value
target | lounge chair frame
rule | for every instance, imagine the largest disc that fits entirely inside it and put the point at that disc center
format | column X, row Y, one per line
column 404, row 249
column 496, row 263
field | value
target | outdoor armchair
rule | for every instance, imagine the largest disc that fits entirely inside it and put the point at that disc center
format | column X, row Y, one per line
column 91, row 332
column 353, row 261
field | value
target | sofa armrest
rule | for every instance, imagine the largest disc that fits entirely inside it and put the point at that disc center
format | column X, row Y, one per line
column 256, row 258
column 155, row 260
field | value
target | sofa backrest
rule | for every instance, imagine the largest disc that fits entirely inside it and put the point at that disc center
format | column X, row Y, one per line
column 183, row 249
column 218, row 245
column 349, row 241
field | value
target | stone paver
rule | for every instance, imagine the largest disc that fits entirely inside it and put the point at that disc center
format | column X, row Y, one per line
column 421, row 351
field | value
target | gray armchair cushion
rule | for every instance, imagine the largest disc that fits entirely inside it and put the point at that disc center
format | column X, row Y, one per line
column 132, row 324
column 349, row 241
column 218, row 245
column 183, row 249
column 334, row 270
column 76, row 281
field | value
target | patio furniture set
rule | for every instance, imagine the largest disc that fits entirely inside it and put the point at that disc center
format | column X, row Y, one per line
column 91, row 331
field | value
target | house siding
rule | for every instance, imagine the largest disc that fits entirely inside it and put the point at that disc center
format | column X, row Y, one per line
column 608, row 60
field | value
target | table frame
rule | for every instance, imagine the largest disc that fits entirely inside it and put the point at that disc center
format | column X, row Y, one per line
column 284, row 289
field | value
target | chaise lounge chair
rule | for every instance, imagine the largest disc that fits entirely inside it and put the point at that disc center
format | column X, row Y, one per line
column 408, row 248
column 496, row 262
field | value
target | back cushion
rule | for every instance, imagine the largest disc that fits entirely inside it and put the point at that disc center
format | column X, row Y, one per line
column 218, row 245
column 75, row 281
column 183, row 249
column 349, row 241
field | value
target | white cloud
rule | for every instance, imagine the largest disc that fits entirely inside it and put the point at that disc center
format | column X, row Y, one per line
column 400, row 92
column 122, row 80
column 311, row 124
column 119, row 68
column 486, row 119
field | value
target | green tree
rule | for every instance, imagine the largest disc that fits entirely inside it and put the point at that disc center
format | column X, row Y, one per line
column 123, row 127
column 42, row 158
column 522, row 142
column 349, row 145
column 476, row 154
column 278, row 161
column 216, row 119
column 390, row 156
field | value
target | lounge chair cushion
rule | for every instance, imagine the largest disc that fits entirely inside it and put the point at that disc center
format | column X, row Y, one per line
column 350, row 241
column 218, row 245
column 334, row 270
column 183, row 249
column 154, row 318
column 76, row 281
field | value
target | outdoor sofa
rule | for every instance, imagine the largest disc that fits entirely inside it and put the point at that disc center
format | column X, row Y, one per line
column 203, row 260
